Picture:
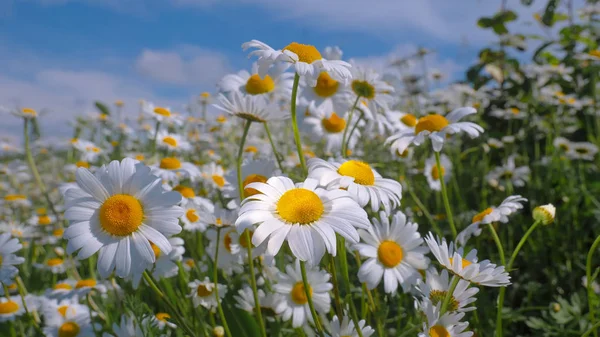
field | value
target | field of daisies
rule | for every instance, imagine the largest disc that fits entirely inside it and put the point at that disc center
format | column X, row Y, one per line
column 325, row 199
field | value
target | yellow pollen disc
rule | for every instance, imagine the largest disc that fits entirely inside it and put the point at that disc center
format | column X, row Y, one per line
column 205, row 95
column 571, row 100
column 84, row 164
column 390, row 253
column 360, row 171
column 95, row 149
column 595, row 53
column 256, row 85
column 62, row 310
column 217, row 179
column 326, row 86
column 221, row 119
column 191, row 215
column 409, row 120
column 62, row 286
column 68, row 329
column 435, row 174
column 190, row 263
column 119, row 103
column 298, row 293
column 121, row 215
column 242, row 238
column 170, row 140
column 44, row 220
column 162, row 316
column 464, row 263
column 252, row 178
column 14, row 197
column 29, row 112
column 438, row 331
column 8, row 307
column 219, row 222
column 58, row 232
column 139, row 157
column 438, row 296
column 41, row 211
column 300, row 206
column 480, row 216
column 333, row 124
column 476, row 105
column 514, row 111
column 363, row 89
column 54, row 262
column 87, row 283
column 431, row 123
column 227, row 240
column 185, row 191
column 170, row 163
column 202, row 291
column 306, row 53
column 559, row 94
column 162, row 112
column 156, row 250
column 251, row 149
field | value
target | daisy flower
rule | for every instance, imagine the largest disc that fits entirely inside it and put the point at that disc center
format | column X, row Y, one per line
column 10, row 308
column 304, row 215
column 128, row 327
column 171, row 169
column 8, row 247
column 229, row 259
column 202, row 293
column 327, row 124
column 545, row 214
column 276, row 83
column 268, row 302
column 401, row 121
column 189, row 197
column 509, row 172
column 295, row 304
column 214, row 175
column 55, row 265
column 119, row 212
column 166, row 264
column 368, row 85
column 172, row 142
column 448, row 325
column 436, row 286
column 491, row 214
column 583, row 151
column 363, row 183
column 192, row 221
column 161, row 114
column 394, row 251
column 249, row 107
column 435, row 127
column 346, row 328
column 71, row 323
column 27, row 113
column 482, row 273
column 327, row 89
column 432, row 173
column 161, row 321
column 16, row 200
column 252, row 171
column 306, row 59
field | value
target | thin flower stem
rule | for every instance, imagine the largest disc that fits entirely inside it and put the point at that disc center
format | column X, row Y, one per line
column 354, row 316
column 449, row 294
column 589, row 280
column 307, row 290
column 503, row 261
column 445, row 195
column 593, row 329
column 216, row 281
column 257, row 309
column 295, row 124
column 336, row 287
column 344, row 140
column 156, row 128
column 275, row 153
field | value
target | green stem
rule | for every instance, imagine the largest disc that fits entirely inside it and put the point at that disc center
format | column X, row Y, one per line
column 445, row 195
column 275, row 153
column 592, row 329
column 216, row 281
column 502, row 291
column 336, row 288
column 344, row 140
column 449, row 294
column 308, row 291
column 295, row 125
column 156, row 128
column 589, row 280
column 498, row 243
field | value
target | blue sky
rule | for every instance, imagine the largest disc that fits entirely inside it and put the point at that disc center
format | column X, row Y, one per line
column 63, row 54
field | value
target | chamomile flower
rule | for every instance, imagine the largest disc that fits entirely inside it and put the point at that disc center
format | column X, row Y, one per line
column 491, row 214
column 582, row 151
column 10, row 308
column 161, row 114
column 251, row 108
column 27, row 113
column 276, row 83
column 252, row 171
column 435, row 127
column 401, row 121
column 214, row 175
column 166, row 264
column 15, row 200
column 43, row 221
column 118, row 212
column 8, row 247
column 171, row 169
column 172, row 142
column 307, row 61
column 394, row 251
column 295, row 306
column 74, row 322
column 304, row 215
column 326, row 124
column 327, row 89
column 189, row 197
column 54, row 265
column 363, row 183
column 229, row 258
column 482, row 273
column 434, row 175
column 269, row 303
column 192, row 221
column 509, row 172
column 161, row 321
column 448, row 325
column 368, row 85
column 436, row 286
column 509, row 113
column 202, row 293
column 346, row 328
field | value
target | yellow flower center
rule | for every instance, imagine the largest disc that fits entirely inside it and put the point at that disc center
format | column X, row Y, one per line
column 58, row 232
column 360, row 171
column 170, row 163
column 170, row 141
column 300, row 206
column 156, row 250
column 221, row 119
column 54, row 262
column 14, row 197
column 87, row 283
column 431, row 123
column 242, row 239
column 438, row 296
column 435, row 174
column 298, row 293
column 44, row 220
column 409, row 120
column 121, row 215
column 68, row 329
column 185, row 191
column 218, row 180
column 190, row 263
column 202, row 291
column 8, row 307
column 62, row 286
column 29, row 112
column 306, row 53
column 191, row 215
column 390, row 253
column 438, row 331
column 227, row 240
column 162, row 112
column 464, row 263
column 62, row 310
column 363, row 89
column 140, row 157
column 514, row 111
column 162, row 316
column 40, row 211
column 253, row 178
column 480, row 216
column 84, row 164
column 326, row 86
column 333, row 124
column 595, row 53
column 256, row 85
column 251, row 149
column 205, row 94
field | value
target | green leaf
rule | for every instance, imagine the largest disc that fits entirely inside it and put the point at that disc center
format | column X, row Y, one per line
column 485, row 22
column 499, row 29
column 102, row 107
column 240, row 322
column 506, row 16
column 548, row 16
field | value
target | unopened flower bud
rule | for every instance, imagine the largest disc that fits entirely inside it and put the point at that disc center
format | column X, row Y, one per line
column 544, row 213
column 218, row 331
